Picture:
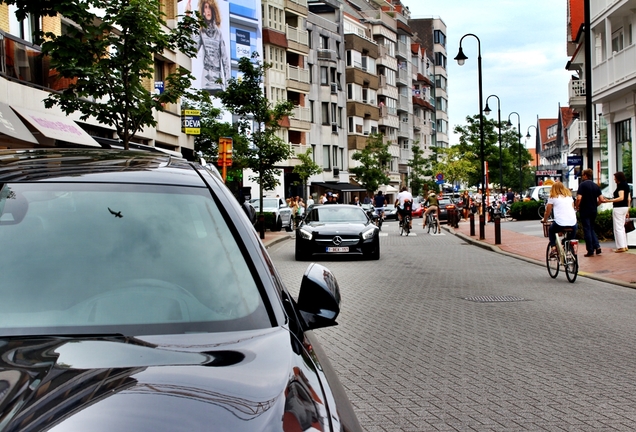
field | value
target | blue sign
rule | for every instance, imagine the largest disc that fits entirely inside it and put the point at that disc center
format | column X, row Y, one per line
column 439, row 182
column 575, row 160
column 159, row 87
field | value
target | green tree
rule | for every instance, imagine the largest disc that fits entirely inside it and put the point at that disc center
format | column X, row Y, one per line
column 258, row 121
column 469, row 143
column 418, row 165
column 109, row 52
column 373, row 163
column 456, row 165
column 306, row 169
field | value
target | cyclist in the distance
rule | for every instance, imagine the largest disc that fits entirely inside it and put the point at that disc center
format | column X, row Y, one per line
column 432, row 205
column 404, row 204
column 379, row 201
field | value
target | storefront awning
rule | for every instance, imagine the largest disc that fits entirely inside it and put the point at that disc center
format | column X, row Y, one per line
column 342, row 187
column 48, row 128
column 387, row 189
column 11, row 126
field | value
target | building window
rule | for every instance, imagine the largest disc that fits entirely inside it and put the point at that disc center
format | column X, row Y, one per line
column 617, row 40
column 440, row 60
column 440, row 38
column 324, row 42
column 324, row 75
column 624, row 149
column 325, row 113
column 326, row 162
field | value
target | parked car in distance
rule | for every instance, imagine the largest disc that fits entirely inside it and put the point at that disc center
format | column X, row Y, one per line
column 137, row 296
column 445, row 204
column 390, row 212
column 418, row 210
column 538, row 193
column 337, row 230
column 282, row 212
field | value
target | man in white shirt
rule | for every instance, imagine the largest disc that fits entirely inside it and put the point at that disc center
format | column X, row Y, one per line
column 404, row 197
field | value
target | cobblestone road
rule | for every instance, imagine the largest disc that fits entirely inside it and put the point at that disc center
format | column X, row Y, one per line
column 416, row 352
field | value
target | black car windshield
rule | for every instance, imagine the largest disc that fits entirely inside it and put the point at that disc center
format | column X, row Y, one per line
column 336, row 213
column 92, row 258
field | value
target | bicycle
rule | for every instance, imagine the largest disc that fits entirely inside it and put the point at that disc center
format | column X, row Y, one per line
column 565, row 257
column 541, row 210
column 504, row 208
column 431, row 222
column 405, row 226
column 379, row 218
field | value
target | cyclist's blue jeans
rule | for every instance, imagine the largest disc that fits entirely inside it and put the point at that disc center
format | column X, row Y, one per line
column 591, row 241
column 555, row 228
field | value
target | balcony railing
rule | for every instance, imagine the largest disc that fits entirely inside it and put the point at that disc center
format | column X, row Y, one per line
column 297, row 35
column 403, row 50
column 327, row 54
column 297, row 149
column 301, row 113
column 297, row 74
column 302, row 3
column 578, row 131
column 577, row 88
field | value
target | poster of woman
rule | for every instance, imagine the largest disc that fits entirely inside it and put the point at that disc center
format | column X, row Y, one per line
column 213, row 62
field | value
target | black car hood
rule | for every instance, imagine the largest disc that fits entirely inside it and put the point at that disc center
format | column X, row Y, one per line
column 247, row 381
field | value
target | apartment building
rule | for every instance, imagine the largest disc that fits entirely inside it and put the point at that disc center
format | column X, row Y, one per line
column 432, row 33
column 26, row 80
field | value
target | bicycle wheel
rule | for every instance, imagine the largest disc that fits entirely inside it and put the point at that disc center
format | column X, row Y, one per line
column 435, row 225
column 552, row 262
column 541, row 211
column 406, row 226
column 429, row 223
column 571, row 263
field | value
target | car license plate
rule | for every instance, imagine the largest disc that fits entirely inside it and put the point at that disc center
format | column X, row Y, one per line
column 337, row 249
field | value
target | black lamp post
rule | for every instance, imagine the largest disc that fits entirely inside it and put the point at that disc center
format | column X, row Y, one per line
column 487, row 111
column 519, row 137
column 536, row 156
column 461, row 59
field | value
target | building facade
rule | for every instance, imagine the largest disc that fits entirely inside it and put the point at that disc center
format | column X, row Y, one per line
column 26, row 80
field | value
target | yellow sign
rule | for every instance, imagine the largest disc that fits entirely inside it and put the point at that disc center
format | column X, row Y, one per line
column 191, row 122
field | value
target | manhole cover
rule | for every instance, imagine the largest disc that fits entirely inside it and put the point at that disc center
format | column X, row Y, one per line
column 494, row 299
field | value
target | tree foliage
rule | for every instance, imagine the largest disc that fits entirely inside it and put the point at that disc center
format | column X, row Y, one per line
column 108, row 52
column 307, row 168
column 456, row 165
column 258, row 121
column 374, row 160
column 418, row 165
column 511, row 150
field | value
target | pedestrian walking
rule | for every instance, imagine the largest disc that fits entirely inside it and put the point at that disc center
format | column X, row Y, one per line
column 621, row 201
column 477, row 199
column 588, row 197
column 465, row 204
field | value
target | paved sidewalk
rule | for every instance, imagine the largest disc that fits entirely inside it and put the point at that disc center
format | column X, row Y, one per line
column 616, row 268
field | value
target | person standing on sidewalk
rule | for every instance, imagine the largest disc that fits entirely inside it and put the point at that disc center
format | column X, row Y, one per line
column 621, row 209
column 588, row 197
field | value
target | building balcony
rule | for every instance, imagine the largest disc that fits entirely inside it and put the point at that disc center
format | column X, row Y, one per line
column 615, row 73
column 418, row 123
column 300, row 118
column 576, row 93
column 298, row 79
column 297, row 39
column 297, row 6
column 327, row 55
column 405, row 130
column 297, row 149
column 577, row 135
column 406, row 155
column 390, row 120
column 403, row 51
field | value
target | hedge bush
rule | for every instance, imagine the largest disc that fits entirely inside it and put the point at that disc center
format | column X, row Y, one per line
column 604, row 227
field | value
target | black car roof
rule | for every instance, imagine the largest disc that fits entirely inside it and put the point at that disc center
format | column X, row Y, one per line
column 83, row 165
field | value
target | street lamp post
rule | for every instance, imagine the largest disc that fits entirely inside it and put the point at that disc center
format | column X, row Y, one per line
column 487, row 111
column 519, row 137
column 461, row 59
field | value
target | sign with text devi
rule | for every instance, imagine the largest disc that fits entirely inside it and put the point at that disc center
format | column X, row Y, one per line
column 191, row 122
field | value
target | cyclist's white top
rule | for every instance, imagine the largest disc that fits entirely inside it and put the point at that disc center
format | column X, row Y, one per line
column 563, row 210
column 403, row 196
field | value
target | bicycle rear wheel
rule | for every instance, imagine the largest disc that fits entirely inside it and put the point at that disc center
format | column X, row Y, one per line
column 406, row 226
column 435, row 225
column 571, row 263
column 429, row 223
column 552, row 262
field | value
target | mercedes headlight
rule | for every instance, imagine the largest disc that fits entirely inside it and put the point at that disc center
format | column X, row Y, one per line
column 305, row 235
column 368, row 234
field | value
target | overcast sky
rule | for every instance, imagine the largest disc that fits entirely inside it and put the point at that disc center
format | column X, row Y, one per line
column 523, row 50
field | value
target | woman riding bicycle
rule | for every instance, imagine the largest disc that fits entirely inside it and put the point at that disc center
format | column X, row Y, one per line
column 404, row 204
column 561, row 205
column 433, row 205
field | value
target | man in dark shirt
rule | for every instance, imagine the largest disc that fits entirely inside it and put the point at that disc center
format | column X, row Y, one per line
column 587, row 200
column 510, row 196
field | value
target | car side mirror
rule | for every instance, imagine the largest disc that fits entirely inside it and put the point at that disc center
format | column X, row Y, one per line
column 319, row 297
